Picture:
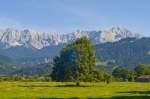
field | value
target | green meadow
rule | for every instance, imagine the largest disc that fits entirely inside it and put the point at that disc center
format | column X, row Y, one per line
column 48, row 90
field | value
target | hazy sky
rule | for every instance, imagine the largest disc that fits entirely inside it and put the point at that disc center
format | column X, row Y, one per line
column 68, row 15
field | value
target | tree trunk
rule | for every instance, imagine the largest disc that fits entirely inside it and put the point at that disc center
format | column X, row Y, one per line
column 77, row 83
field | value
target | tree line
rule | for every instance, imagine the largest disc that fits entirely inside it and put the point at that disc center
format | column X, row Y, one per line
column 127, row 74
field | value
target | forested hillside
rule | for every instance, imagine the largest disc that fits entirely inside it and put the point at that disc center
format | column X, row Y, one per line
column 127, row 52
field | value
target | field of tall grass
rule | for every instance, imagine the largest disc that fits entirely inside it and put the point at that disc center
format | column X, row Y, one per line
column 48, row 90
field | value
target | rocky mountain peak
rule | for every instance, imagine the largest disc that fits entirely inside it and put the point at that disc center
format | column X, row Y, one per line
column 27, row 38
column 117, row 33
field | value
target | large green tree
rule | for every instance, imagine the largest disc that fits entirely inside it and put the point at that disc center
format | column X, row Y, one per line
column 76, row 62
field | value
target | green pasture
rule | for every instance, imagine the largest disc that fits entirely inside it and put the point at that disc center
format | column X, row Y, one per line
column 48, row 90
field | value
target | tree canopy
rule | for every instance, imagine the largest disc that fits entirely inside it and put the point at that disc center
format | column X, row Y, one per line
column 76, row 62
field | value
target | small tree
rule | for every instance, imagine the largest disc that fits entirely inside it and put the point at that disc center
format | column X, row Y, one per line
column 142, row 69
column 108, row 78
column 124, row 73
column 99, row 75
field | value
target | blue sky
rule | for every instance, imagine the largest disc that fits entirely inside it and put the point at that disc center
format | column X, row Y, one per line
column 64, row 16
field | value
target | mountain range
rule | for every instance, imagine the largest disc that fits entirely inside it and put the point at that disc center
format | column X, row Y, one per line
column 29, row 50
column 30, row 39
column 29, row 47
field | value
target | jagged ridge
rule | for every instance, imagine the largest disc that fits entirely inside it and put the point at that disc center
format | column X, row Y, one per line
column 30, row 39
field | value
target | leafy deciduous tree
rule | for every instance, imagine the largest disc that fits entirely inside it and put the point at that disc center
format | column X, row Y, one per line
column 76, row 62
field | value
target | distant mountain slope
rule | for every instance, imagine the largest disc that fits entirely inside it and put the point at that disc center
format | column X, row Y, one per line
column 28, row 56
column 126, row 52
column 7, row 66
column 40, row 69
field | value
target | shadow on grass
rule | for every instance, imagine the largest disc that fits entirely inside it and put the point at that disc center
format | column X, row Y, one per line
column 117, row 97
column 137, row 92
column 35, row 86
column 66, row 85
column 73, row 85
column 144, row 95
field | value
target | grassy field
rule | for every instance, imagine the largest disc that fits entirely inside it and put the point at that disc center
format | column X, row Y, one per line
column 48, row 90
